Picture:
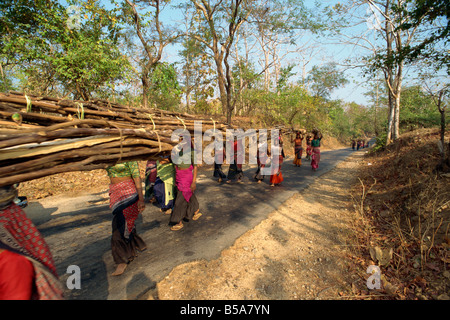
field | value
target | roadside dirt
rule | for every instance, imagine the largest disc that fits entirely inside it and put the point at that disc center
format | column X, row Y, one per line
column 298, row 252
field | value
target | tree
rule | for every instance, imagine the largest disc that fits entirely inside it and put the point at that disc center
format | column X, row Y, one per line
column 223, row 21
column 165, row 90
column 435, row 14
column 324, row 79
column 197, row 69
column 418, row 109
column 54, row 58
column 440, row 93
column 154, row 40
column 382, row 19
column 279, row 27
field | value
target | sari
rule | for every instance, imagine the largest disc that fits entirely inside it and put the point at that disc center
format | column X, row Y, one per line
column 315, row 158
column 308, row 149
column 218, row 161
column 261, row 162
column 315, row 144
column 18, row 234
column 123, row 203
column 165, row 185
column 277, row 177
column 149, row 180
column 235, row 170
column 186, row 203
column 298, row 150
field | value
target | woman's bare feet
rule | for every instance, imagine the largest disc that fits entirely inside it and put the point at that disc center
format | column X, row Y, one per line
column 120, row 269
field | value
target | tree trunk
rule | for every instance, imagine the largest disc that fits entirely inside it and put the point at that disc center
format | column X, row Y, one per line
column 442, row 112
column 390, row 118
column 145, row 90
column 221, row 83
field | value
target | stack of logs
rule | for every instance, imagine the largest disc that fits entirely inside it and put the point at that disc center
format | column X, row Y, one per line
column 42, row 136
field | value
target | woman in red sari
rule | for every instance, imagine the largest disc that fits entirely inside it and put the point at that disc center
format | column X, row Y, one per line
column 27, row 269
column 276, row 178
column 126, row 202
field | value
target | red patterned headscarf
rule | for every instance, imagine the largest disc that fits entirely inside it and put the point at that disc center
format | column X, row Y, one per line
column 19, row 234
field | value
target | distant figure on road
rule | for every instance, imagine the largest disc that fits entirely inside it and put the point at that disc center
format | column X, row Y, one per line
column 27, row 269
column 235, row 169
column 126, row 201
column 186, row 206
column 353, row 144
column 261, row 162
column 219, row 158
column 298, row 149
column 315, row 144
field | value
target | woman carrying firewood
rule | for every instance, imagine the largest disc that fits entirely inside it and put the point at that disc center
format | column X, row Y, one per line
column 276, row 177
column 298, row 149
column 186, row 206
column 315, row 144
column 235, row 172
column 126, row 202
column 219, row 158
column 27, row 269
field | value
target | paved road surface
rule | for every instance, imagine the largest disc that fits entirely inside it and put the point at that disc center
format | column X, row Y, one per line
column 78, row 230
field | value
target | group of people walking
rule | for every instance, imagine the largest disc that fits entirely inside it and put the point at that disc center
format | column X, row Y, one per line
column 172, row 188
column 27, row 269
column 359, row 144
column 312, row 148
column 168, row 185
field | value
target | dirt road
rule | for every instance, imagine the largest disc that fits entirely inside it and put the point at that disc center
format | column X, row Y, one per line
column 78, row 232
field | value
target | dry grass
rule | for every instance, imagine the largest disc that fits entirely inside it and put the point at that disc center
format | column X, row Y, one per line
column 403, row 204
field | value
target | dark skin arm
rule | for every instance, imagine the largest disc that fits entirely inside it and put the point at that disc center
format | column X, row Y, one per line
column 194, row 179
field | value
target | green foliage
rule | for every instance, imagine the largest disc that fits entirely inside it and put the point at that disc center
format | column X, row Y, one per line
column 418, row 109
column 325, row 79
column 165, row 91
column 198, row 76
column 380, row 143
column 434, row 15
column 53, row 56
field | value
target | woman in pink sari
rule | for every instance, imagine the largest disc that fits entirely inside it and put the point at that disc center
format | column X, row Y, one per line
column 315, row 145
column 186, row 206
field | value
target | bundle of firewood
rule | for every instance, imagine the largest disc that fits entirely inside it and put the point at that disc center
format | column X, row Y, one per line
column 41, row 136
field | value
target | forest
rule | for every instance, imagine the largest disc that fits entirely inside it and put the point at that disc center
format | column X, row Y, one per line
column 269, row 61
